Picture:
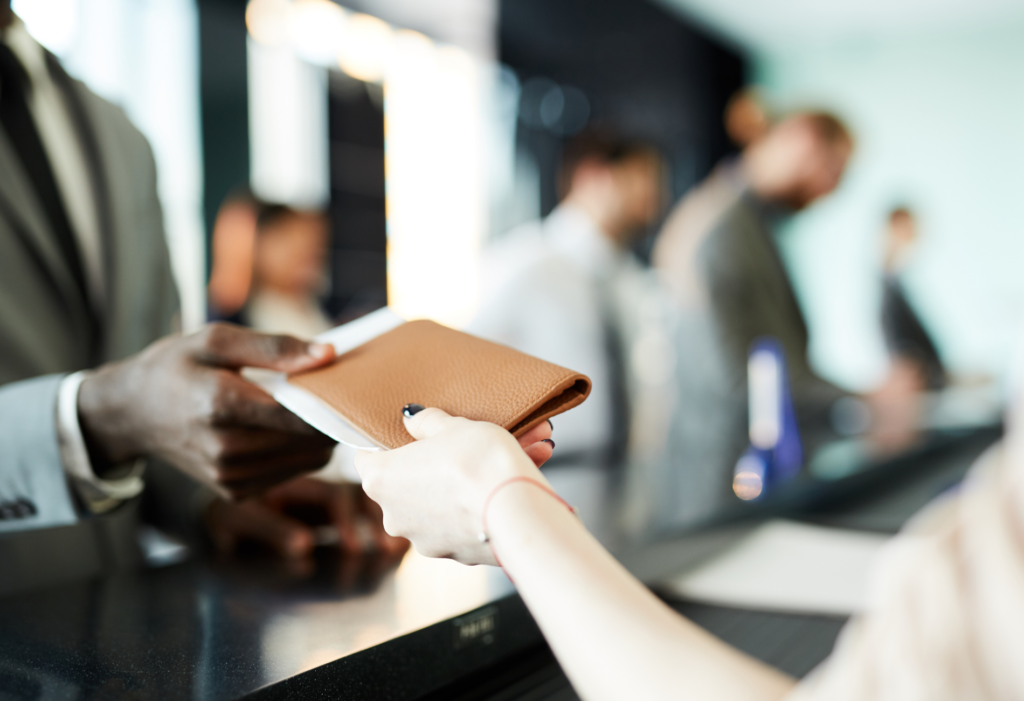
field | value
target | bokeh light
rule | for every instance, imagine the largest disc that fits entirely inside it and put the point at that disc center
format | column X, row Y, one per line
column 365, row 48
column 267, row 21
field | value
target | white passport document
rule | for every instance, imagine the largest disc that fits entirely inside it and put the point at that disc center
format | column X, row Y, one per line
column 788, row 567
column 311, row 408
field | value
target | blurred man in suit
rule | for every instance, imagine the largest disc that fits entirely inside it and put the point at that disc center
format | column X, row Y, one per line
column 717, row 252
column 906, row 337
column 565, row 289
column 90, row 397
column 718, row 248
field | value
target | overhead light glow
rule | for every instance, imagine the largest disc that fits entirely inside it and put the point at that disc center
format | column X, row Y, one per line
column 268, row 21
column 436, row 203
column 316, row 29
column 365, row 48
column 53, row 23
column 434, row 145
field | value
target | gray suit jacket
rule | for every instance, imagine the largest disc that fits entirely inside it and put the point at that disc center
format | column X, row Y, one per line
column 717, row 255
column 47, row 329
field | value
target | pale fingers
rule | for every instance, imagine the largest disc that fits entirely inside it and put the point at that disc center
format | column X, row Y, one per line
column 538, row 433
column 428, row 422
column 540, row 453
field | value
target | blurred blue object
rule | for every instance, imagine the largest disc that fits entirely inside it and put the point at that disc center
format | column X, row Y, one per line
column 775, row 454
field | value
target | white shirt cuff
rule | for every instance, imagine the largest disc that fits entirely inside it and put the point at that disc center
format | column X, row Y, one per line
column 99, row 495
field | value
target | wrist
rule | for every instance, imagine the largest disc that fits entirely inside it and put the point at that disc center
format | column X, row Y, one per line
column 105, row 420
column 521, row 513
column 504, row 460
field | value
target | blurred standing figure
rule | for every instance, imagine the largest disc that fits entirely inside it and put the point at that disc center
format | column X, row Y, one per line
column 718, row 255
column 269, row 267
column 717, row 248
column 232, row 248
column 564, row 289
column 906, row 338
column 746, row 117
column 289, row 272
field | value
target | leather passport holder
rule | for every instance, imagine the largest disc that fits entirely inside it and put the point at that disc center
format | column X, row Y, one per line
column 433, row 365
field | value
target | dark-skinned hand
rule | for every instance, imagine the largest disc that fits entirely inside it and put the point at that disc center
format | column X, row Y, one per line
column 286, row 519
column 291, row 518
column 183, row 400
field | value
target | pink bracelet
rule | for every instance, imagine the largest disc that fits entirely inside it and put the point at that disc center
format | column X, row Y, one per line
column 483, row 535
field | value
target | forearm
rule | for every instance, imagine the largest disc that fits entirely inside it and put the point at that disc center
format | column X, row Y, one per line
column 602, row 622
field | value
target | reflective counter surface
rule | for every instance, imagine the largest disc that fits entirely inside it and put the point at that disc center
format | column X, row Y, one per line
column 334, row 628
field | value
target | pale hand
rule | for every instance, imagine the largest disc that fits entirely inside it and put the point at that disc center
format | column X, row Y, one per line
column 433, row 491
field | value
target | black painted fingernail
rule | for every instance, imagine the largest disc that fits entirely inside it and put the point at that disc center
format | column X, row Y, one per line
column 551, row 424
column 410, row 410
column 548, row 440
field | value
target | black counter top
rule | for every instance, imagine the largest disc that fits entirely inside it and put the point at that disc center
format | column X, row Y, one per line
column 208, row 631
column 214, row 630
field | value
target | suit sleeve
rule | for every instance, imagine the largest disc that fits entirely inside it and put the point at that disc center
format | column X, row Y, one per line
column 742, row 314
column 33, row 489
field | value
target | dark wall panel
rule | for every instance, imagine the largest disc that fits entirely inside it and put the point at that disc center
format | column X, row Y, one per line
column 358, row 226
column 224, row 96
column 645, row 72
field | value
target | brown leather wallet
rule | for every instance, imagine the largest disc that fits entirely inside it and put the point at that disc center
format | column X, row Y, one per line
column 435, row 366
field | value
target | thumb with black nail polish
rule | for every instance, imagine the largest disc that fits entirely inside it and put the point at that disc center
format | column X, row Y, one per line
column 410, row 410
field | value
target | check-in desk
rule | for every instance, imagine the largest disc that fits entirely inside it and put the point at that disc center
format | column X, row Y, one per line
column 418, row 629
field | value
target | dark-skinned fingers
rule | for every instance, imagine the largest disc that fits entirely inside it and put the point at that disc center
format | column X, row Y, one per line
column 303, row 490
column 256, row 477
column 276, row 468
column 229, row 346
column 344, row 513
column 236, row 402
column 218, row 526
column 232, row 447
column 253, row 521
column 387, row 544
column 351, row 569
column 538, row 433
column 242, row 490
column 338, row 500
column 540, row 453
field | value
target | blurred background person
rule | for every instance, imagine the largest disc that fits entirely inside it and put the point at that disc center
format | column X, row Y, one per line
column 718, row 255
column 270, row 267
column 232, row 244
column 289, row 272
column 562, row 288
column 746, row 117
column 718, row 247
column 906, row 338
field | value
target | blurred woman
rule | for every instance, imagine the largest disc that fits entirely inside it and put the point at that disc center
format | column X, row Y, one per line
column 943, row 622
column 289, row 272
column 269, row 267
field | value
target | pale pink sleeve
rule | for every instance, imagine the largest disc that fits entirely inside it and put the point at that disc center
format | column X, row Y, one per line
column 945, row 616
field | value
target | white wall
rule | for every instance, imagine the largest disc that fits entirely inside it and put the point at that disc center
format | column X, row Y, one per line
column 940, row 124
column 288, row 131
